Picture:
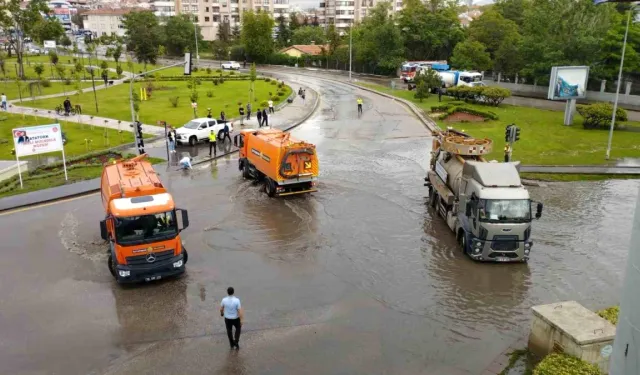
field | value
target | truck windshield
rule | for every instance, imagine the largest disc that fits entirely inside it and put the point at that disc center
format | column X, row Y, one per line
column 147, row 228
column 504, row 210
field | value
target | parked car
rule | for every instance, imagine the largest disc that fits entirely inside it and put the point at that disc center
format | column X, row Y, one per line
column 199, row 129
column 231, row 65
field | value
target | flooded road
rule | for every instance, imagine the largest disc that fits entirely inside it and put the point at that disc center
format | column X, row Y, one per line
column 359, row 278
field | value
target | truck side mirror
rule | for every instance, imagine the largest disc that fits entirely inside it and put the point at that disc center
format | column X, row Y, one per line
column 103, row 230
column 539, row 210
column 185, row 219
column 235, row 140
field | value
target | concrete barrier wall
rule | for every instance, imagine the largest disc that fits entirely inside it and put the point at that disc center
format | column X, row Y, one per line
column 13, row 170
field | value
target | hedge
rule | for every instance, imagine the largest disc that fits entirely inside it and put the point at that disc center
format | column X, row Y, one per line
column 485, row 114
column 492, row 95
column 598, row 115
column 441, row 108
column 611, row 314
column 562, row 364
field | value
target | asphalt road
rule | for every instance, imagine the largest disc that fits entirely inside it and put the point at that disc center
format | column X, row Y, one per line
column 358, row 278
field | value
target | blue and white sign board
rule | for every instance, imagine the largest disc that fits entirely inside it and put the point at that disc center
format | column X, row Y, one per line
column 34, row 140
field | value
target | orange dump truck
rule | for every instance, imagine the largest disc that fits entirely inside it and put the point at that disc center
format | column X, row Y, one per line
column 141, row 223
column 285, row 164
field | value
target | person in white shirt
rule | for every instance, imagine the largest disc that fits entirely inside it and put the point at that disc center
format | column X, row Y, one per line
column 271, row 110
column 3, row 101
column 185, row 163
column 231, row 310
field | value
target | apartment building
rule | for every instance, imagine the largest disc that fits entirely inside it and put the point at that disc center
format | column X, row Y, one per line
column 163, row 8
column 105, row 21
column 343, row 13
column 211, row 14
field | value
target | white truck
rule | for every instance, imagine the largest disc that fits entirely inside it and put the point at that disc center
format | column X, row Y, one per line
column 199, row 129
column 454, row 78
column 484, row 203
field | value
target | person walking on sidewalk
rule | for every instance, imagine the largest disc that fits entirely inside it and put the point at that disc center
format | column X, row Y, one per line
column 259, row 115
column 271, row 110
column 172, row 139
column 248, row 111
column 212, row 144
column 304, row 96
column 3, row 101
column 265, row 118
column 231, row 310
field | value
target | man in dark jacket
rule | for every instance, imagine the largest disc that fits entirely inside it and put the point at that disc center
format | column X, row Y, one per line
column 259, row 114
column 241, row 113
column 265, row 118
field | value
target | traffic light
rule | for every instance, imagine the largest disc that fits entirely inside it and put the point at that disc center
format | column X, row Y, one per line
column 187, row 64
column 517, row 133
column 507, row 133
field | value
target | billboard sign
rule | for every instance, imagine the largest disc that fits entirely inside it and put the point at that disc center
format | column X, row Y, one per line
column 568, row 82
column 50, row 44
column 35, row 140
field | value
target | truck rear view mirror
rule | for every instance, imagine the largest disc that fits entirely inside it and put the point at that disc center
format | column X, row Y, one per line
column 103, row 230
column 184, row 216
column 539, row 210
column 468, row 209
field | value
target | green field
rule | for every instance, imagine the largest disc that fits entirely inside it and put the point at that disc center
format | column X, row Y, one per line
column 14, row 90
column 11, row 67
column 544, row 139
column 98, row 138
column 114, row 101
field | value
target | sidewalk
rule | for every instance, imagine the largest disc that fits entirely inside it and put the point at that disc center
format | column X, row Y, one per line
column 286, row 118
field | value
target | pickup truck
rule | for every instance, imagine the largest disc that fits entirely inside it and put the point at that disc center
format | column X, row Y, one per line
column 230, row 65
column 199, row 129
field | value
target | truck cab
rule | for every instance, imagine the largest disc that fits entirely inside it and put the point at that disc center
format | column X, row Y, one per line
column 142, row 225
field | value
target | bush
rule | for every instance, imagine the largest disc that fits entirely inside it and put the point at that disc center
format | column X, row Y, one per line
column 45, row 83
column 487, row 115
column 119, row 70
column 232, row 73
column 198, row 81
column 441, row 108
column 562, row 364
column 611, row 314
column 215, row 82
column 218, row 70
column 264, row 104
column 275, row 98
column 194, row 69
column 67, row 81
column 221, row 80
column 208, row 70
column 281, row 93
column 104, row 65
column 495, row 95
column 267, row 79
column 272, row 82
column 209, row 94
column 174, row 101
column 598, row 115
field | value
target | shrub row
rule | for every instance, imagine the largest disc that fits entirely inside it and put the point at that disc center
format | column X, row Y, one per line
column 610, row 314
column 491, row 95
column 562, row 364
column 598, row 115
column 488, row 115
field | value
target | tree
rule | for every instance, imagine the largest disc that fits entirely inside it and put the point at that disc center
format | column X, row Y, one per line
column 333, row 41
column 491, row 29
column 426, row 82
column 47, row 29
column 378, row 42
column 224, row 32
column 179, row 35
column 78, row 21
column 236, row 32
column 471, row 55
column 428, row 35
column 284, row 34
column 256, row 35
column 508, row 58
column 314, row 21
column 143, row 35
column 611, row 50
column 53, row 57
column 39, row 69
column 308, row 35
column 16, row 22
column 116, row 53
column 221, row 45
column 513, row 10
column 65, row 41
column 294, row 22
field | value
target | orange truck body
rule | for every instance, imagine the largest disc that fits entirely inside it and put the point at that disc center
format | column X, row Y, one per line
column 141, row 223
column 286, row 165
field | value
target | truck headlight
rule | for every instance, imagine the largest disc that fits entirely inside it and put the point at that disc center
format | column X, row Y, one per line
column 476, row 250
column 124, row 273
column 527, row 245
column 177, row 264
column 526, row 251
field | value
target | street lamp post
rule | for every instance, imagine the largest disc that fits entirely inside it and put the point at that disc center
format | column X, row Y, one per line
column 615, row 102
column 195, row 35
column 350, row 48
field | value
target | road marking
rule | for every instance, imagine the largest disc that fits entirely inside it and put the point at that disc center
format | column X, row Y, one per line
column 45, row 204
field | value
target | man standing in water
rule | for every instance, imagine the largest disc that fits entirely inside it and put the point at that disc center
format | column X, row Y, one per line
column 231, row 310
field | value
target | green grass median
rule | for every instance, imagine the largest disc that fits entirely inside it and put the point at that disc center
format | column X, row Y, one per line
column 114, row 101
column 544, row 139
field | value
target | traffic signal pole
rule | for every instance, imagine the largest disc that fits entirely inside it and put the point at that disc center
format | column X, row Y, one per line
column 511, row 135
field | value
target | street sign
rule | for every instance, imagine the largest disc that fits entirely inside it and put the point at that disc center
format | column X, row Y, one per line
column 35, row 140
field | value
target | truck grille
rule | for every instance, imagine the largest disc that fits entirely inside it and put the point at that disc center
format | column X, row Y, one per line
column 503, row 255
column 504, row 243
column 161, row 256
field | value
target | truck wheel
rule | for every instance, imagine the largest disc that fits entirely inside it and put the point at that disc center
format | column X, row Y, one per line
column 186, row 256
column 270, row 187
column 463, row 243
column 193, row 140
column 112, row 265
column 245, row 170
column 220, row 135
column 433, row 198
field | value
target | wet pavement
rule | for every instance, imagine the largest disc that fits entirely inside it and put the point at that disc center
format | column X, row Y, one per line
column 358, row 278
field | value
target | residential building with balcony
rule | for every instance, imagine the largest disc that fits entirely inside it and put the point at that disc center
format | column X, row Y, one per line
column 105, row 21
column 344, row 13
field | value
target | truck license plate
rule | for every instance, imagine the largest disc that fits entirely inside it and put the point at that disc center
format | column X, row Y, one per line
column 152, row 278
column 503, row 259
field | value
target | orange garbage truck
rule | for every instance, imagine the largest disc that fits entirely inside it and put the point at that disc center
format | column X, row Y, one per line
column 285, row 164
column 142, row 224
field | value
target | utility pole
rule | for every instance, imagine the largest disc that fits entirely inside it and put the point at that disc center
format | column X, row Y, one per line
column 350, row 47
column 626, row 345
